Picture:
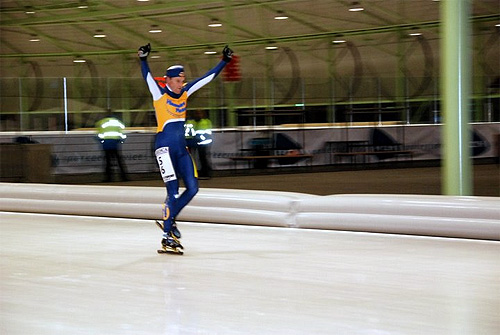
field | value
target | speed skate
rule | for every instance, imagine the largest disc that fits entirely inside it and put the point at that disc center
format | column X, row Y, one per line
column 171, row 244
column 176, row 251
column 176, row 234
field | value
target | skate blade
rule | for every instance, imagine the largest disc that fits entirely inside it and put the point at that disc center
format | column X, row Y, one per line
column 176, row 251
column 171, row 250
column 159, row 224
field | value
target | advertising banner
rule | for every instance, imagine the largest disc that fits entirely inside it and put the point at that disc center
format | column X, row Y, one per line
column 80, row 152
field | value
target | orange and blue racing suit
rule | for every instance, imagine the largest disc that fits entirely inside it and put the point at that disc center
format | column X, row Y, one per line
column 171, row 153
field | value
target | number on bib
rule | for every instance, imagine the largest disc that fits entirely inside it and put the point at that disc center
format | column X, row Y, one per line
column 165, row 164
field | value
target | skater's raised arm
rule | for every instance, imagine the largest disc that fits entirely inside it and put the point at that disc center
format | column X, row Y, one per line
column 153, row 86
column 193, row 86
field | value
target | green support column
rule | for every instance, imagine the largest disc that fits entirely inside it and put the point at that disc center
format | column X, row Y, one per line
column 22, row 118
column 455, row 93
column 401, row 80
column 331, row 78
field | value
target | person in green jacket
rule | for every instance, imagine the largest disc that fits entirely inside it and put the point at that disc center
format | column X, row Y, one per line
column 110, row 134
column 203, row 136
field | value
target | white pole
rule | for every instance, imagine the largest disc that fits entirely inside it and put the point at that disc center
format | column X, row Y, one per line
column 65, row 106
column 20, row 105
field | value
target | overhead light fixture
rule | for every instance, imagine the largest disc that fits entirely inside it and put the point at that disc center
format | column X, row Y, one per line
column 29, row 10
column 338, row 38
column 155, row 29
column 34, row 38
column 356, row 7
column 280, row 15
column 271, row 46
column 99, row 34
column 83, row 4
column 415, row 32
column 79, row 60
column 215, row 23
column 142, row 0
column 155, row 55
column 210, row 50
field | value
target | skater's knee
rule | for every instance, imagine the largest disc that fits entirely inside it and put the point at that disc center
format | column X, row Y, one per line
column 192, row 190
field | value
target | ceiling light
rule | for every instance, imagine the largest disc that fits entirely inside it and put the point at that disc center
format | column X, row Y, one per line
column 79, row 60
column 415, row 32
column 34, row 38
column 210, row 52
column 271, row 47
column 356, row 7
column 142, row 0
column 280, row 15
column 154, row 29
column 83, row 4
column 155, row 54
column 338, row 38
column 99, row 34
column 29, row 10
column 215, row 23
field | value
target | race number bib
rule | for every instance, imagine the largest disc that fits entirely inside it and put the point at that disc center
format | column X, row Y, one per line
column 165, row 164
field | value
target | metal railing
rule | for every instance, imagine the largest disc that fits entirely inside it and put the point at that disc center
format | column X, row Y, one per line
column 64, row 104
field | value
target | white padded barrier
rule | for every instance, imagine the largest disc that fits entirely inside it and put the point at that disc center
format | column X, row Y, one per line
column 82, row 200
column 434, row 215
column 243, row 207
column 209, row 205
column 464, row 217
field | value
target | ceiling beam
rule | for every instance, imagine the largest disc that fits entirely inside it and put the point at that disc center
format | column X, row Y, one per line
column 131, row 13
column 262, row 41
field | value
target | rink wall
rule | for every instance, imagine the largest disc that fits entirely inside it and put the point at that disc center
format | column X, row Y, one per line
column 427, row 215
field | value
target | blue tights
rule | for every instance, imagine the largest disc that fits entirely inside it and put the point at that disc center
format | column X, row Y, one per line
column 174, row 203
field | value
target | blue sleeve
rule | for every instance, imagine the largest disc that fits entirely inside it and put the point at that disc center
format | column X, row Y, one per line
column 198, row 83
column 145, row 69
column 155, row 89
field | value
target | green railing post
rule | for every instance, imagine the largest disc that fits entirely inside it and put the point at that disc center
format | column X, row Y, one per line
column 455, row 91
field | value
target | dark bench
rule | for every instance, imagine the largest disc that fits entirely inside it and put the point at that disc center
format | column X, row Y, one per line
column 251, row 159
column 364, row 154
